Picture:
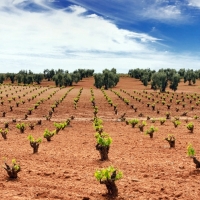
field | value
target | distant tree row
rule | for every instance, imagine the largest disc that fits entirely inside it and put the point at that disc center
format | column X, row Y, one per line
column 160, row 79
column 164, row 77
column 60, row 77
column 23, row 76
column 64, row 78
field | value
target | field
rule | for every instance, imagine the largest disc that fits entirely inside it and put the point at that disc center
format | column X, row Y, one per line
column 64, row 167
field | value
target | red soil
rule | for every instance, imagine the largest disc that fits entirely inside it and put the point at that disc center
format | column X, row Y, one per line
column 64, row 168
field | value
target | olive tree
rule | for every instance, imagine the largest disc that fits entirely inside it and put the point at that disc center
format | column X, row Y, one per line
column 58, row 79
column 48, row 74
column 11, row 76
column 89, row 72
column 181, row 72
column 144, row 75
column 76, row 76
column 29, row 79
column 99, row 80
column 67, row 79
column 38, row 78
column 19, row 78
column 107, row 79
column 25, row 77
column 161, row 79
column 2, row 78
column 190, row 76
column 135, row 73
column 174, row 82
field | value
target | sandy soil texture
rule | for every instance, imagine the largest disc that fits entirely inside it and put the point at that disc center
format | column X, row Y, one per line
column 64, row 167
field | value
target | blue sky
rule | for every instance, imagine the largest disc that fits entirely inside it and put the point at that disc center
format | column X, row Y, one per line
column 94, row 34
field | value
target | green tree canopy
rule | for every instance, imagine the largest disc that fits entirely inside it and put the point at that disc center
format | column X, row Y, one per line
column 2, row 78
column 38, row 78
column 11, row 76
column 48, row 74
column 190, row 76
column 64, row 78
column 107, row 79
column 161, row 79
column 174, row 81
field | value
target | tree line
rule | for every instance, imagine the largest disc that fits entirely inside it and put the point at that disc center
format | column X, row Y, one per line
column 60, row 77
column 164, row 77
column 159, row 80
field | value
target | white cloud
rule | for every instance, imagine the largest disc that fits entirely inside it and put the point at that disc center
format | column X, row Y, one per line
column 162, row 11
column 15, row 2
column 71, row 40
column 194, row 3
column 167, row 11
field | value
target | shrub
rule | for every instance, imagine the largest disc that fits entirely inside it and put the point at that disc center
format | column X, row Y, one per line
column 190, row 150
column 12, row 170
column 39, row 122
column 183, row 105
column 92, row 99
column 106, row 173
column 95, row 110
column 142, row 125
column 108, row 176
column 4, row 133
column 167, row 114
column 176, row 123
column 36, row 105
column 163, row 102
column 97, row 124
column 21, row 127
column 126, row 101
column 162, row 121
column 30, row 111
column 3, row 114
column 190, row 126
column 133, row 122
column 103, row 139
column 17, row 104
column 103, row 144
column 53, row 107
column 34, row 143
column 6, row 125
column 58, row 126
column 171, row 139
column 48, row 134
column 31, row 126
column 150, row 131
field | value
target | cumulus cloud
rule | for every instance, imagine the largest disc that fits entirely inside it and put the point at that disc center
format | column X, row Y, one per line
column 57, row 38
column 194, row 3
column 169, row 12
column 163, row 11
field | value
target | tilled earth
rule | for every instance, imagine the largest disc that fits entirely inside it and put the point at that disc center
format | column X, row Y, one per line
column 64, row 167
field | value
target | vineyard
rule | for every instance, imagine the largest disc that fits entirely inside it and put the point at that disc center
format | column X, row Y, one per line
column 60, row 122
